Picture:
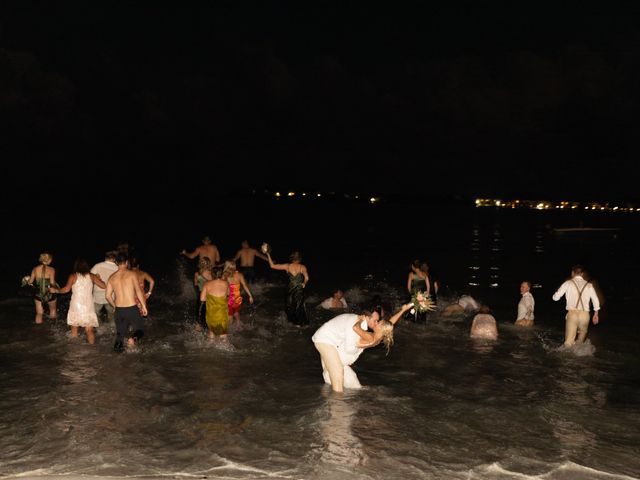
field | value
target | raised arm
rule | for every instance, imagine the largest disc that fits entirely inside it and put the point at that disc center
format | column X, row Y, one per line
column 259, row 255
column 398, row 315
column 191, row 255
column 277, row 266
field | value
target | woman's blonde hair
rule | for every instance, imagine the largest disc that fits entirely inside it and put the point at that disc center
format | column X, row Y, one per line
column 229, row 267
column 386, row 328
column 45, row 258
column 204, row 264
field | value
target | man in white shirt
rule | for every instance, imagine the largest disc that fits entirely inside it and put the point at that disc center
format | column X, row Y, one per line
column 526, row 306
column 104, row 270
column 335, row 302
column 578, row 293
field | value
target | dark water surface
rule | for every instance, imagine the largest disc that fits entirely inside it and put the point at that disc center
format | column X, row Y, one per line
column 438, row 406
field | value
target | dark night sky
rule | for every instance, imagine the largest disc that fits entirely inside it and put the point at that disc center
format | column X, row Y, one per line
column 430, row 99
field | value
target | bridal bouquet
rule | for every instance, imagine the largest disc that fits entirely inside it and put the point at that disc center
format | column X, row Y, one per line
column 25, row 281
column 422, row 303
column 266, row 248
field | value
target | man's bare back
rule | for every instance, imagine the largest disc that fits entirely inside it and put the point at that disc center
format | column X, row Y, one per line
column 205, row 250
column 247, row 255
column 124, row 283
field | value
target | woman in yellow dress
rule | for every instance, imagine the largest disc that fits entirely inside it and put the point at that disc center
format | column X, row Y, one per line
column 216, row 294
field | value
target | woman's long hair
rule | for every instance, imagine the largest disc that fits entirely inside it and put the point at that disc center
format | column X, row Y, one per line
column 386, row 327
column 81, row 266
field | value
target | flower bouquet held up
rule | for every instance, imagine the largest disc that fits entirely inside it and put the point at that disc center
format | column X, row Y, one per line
column 421, row 303
column 25, row 281
column 266, row 248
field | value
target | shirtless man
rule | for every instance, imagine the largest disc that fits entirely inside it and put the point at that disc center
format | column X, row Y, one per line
column 124, row 284
column 247, row 256
column 207, row 249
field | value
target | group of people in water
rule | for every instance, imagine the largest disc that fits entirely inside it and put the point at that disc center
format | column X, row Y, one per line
column 118, row 288
column 219, row 285
column 115, row 286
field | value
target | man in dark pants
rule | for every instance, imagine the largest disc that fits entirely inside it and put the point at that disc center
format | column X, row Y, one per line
column 124, row 284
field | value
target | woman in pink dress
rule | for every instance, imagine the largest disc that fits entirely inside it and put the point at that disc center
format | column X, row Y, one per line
column 235, row 279
column 81, row 310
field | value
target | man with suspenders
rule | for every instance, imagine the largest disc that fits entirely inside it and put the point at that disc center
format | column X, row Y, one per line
column 578, row 293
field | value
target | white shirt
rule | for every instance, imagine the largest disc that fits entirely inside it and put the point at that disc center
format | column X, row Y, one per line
column 326, row 304
column 104, row 270
column 468, row 303
column 339, row 332
column 575, row 300
column 526, row 306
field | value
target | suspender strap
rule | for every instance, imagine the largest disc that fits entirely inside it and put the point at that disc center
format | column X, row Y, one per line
column 579, row 302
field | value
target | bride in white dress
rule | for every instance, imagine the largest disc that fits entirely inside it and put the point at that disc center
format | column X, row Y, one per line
column 341, row 340
column 81, row 310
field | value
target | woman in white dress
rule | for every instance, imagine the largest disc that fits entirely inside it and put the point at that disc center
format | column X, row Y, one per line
column 341, row 340
column 81, row 310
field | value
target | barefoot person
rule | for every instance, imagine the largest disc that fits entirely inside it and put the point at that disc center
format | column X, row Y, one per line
column 247, row 256
column 81, row 310
column 125, row 286
column 579, row 295
column 207, row 249
column 42, row 277
column 341, row 340
column 525, row 306
column 215, row 293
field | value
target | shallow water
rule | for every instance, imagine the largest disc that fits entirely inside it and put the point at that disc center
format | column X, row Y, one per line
column 439, row 406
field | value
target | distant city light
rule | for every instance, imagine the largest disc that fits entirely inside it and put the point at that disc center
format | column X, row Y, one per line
column 277, row 194
column 373, row 199
column 291, row 194
column 546, row 205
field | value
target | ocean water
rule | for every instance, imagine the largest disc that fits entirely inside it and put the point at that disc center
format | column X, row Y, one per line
column 439, row 406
